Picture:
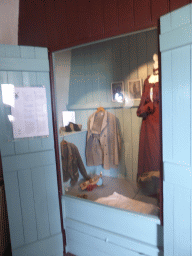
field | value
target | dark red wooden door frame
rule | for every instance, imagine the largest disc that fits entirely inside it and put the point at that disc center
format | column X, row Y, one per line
column 54, row 119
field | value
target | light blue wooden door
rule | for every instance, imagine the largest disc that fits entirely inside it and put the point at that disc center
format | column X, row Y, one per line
column 175, row 46
column 29, row 164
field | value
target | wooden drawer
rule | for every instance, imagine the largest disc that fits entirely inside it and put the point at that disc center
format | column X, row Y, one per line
column 103, row 230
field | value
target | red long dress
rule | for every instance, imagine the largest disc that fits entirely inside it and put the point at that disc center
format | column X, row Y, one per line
column 149, row 144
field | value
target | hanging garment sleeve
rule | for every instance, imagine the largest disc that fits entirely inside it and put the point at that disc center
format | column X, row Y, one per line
column 80, row 164
column 146, row 105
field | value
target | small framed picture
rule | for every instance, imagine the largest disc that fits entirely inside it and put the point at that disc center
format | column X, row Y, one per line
column 117, row 90
column 135, row 89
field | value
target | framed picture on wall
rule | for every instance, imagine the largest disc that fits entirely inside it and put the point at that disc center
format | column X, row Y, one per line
column 135, row 89
column 117, row 90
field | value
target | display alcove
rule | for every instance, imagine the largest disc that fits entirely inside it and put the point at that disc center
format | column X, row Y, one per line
column 83, row 78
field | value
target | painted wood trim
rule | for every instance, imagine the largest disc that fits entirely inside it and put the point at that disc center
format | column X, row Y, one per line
column 181, row 220
column 32, row 160
column 46, row 247
column 178, row 174
column 106, row 105
column 14, row 209
column 56, row 146
column 18, row 64
column 27, row 206
column 143, row 228
column 98, row 245
column 176, row 38
column 168, row 205
column 112, row 238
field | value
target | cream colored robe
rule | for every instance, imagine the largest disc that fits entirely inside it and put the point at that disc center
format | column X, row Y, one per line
column 110, row 141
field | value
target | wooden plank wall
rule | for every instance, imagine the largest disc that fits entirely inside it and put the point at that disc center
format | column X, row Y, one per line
column 175, row 46
column 93, row 68
column 29, row 168
column 62, row 24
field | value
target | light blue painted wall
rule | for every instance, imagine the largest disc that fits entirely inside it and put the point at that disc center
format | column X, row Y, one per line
column 93, row 69
column 175, row 46
column 29, row 168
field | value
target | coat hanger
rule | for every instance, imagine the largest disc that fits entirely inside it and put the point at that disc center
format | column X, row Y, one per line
column 100, row 109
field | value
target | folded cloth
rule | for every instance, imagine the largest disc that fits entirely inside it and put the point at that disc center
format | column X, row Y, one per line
column 123, row 202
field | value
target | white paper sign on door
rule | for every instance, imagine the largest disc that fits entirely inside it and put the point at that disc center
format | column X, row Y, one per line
column 30, row 112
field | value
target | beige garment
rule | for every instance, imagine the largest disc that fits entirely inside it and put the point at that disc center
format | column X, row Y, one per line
column 109, row 139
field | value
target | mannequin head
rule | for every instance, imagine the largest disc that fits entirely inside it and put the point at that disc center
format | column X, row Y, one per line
column 155, row 59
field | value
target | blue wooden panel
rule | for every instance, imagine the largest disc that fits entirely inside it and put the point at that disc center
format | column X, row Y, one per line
column 143, row 228
column 27, row 197
column 3, row 76
column 8, row 148
column 87, row 75
column 14, row 209
column 29, row 79
column 176, row 38
column 52, row 199
column 15, row 78
column 125, row 63
column 191, row 219
column 80, row 82
column 181, row 17
column 12, row 51
column 179, row 174
column 133, row 57
column 102, row 69
column 168, row 209
column 72, row 81
column 108, row 70
column 32, row 160
column 167, row 116
column 47, row 142
column 116, row 59
column 95, row 73
column 35, row 144
column 81, row 118
column 77, row 249
column 43, row 80
column 128, row 142
column 18, row 64
column 109, row 237
column 41, row 53
column 3, row 50
column 41, row 204
column 181, row 104
column 165, row 23
column 182, row 220
column 27, row 206
column 21, row 146
column 84, row 244
column 47, row 247
column 27, row 52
